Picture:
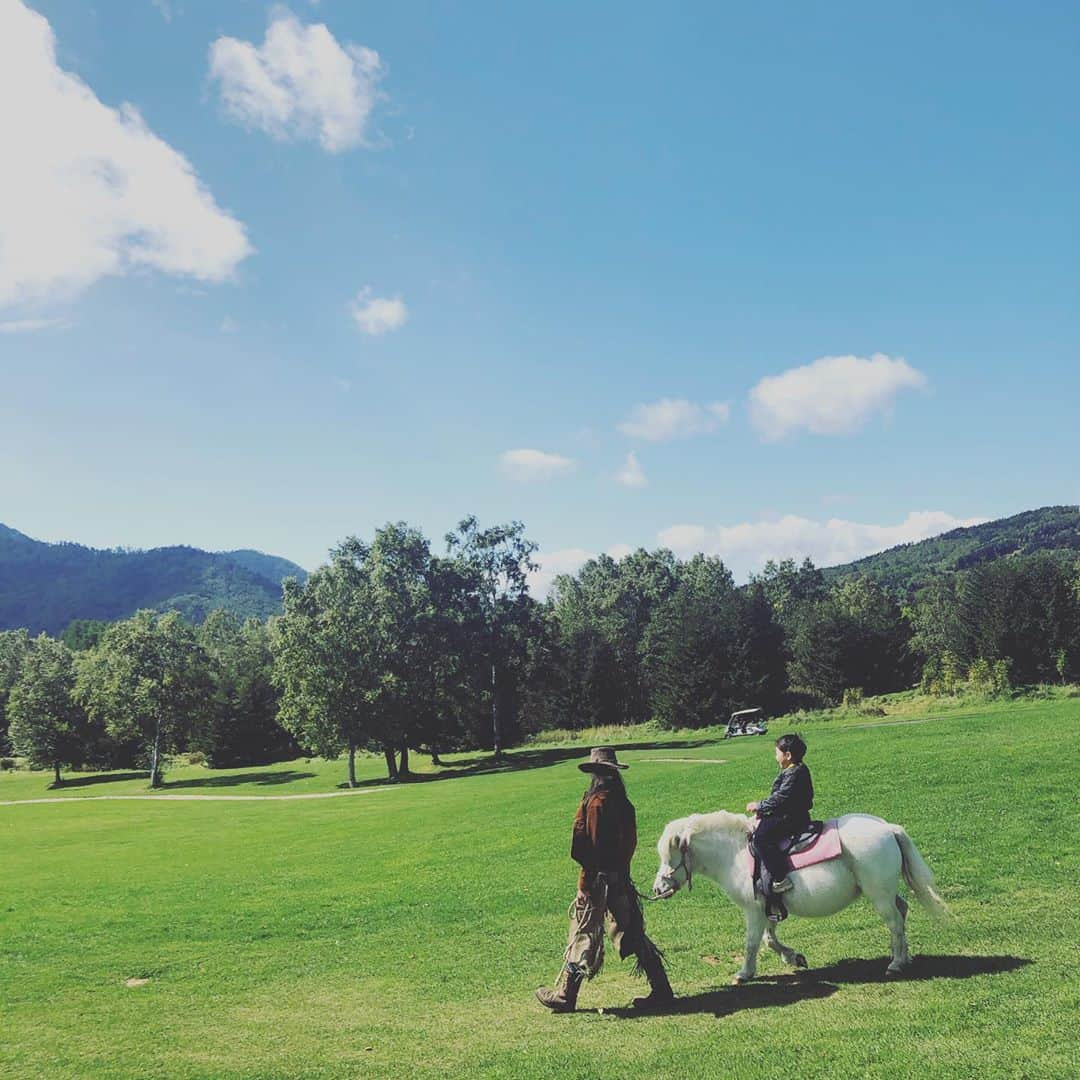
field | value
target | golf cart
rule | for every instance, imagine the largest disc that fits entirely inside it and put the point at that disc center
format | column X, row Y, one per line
column 746, row 722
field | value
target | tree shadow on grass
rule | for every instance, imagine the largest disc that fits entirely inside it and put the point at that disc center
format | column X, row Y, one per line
column 286, row 776
column 101, row 778
column 518, row 760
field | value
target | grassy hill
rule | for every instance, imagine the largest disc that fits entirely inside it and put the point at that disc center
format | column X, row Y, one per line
column 47, row 586
column 401, row 931
column 909, row 566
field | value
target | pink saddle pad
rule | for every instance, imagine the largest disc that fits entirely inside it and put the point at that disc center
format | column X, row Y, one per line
column 825, row 847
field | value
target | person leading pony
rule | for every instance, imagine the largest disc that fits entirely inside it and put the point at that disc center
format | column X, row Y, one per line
column 604, row 839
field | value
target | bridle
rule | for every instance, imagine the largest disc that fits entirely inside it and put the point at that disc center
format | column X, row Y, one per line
column 684, row 865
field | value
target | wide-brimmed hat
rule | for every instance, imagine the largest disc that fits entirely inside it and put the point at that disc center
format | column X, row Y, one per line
column 601, row 759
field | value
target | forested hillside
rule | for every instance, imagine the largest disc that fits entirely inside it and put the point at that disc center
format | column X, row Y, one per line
column 910, row 566
column 394, row 647
column 47, row 586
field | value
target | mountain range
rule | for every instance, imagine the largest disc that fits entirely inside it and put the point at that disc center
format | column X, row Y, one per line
column 908, row 567
column 46, row 586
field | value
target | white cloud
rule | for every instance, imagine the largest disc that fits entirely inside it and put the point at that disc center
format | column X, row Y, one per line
column 534, row 464
column 747, row 546
column 378, row 315
column 550, row 564
column 88, row 191
column 565, row 561
column 674, row 418
column 29, row 326
column 632, row 475
column 164, row 8
column 299, row 84
column 684, row 539
column 835, row 395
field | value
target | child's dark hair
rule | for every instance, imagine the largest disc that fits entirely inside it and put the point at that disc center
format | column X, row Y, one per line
column 793, row 745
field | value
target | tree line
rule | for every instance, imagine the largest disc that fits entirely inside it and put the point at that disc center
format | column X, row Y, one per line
column 393, row 648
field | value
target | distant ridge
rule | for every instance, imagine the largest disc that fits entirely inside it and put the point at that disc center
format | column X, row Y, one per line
column 46, row 586
column 910, row 566
column 272, row 567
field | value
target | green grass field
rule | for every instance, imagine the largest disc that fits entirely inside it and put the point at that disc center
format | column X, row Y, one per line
column 400, row 931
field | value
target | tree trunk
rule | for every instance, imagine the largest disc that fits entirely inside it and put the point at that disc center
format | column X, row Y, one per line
column 352, row 765
column 391, row 764
column 155, row 758
column 403, row 768
column 495, row 733
column 56, row 766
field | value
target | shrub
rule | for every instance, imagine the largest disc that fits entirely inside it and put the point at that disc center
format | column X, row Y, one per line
column 1000, row 676
column 853, row 697
column 950, row 673
column 196, row 758
column 941, row 675
column 8, row 764
column 980, row 677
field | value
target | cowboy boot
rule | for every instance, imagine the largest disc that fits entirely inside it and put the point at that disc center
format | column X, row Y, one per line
column 660, row 992
column 563, row 998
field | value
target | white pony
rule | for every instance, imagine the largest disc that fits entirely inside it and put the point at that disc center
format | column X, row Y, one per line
column 873, row 855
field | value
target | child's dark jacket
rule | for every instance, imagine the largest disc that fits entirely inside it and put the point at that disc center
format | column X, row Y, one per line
column 791, row 797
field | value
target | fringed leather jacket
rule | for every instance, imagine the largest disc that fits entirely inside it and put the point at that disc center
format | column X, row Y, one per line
column 605, row 835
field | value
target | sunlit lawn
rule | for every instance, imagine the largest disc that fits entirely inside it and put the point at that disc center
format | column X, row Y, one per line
column 402, row 930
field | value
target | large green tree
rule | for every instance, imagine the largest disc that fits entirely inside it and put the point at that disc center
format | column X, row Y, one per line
column 877, row 656
column 325, row 658
column 149, row 679
column 604, row 615
column 496, row 562
column 47, row 726
column 406, row 640
column 14, row 646
column 240, row 727
column 691, row 646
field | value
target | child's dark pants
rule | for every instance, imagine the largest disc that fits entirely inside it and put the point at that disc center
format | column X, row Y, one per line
column 767, row 836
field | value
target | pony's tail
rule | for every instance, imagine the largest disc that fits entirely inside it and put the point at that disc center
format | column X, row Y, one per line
column 919, row 876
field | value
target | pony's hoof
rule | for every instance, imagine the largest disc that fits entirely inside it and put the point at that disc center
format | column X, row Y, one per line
column 741, row 979
column 800, row 960
column 895, row 969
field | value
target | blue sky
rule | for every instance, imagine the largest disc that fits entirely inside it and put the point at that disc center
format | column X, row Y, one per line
column 814, row 268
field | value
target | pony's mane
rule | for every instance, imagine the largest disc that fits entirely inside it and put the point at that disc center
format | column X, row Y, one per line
column 718, row 821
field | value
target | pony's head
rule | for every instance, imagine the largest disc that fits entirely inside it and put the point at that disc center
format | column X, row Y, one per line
column 676, row 869
column 675, row 847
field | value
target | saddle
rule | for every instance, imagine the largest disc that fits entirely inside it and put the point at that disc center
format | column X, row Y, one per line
column 817, row 844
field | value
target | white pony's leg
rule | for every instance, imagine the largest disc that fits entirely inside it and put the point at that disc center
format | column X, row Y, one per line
column 755, row 927
column 790, row 956
column 892, row 912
